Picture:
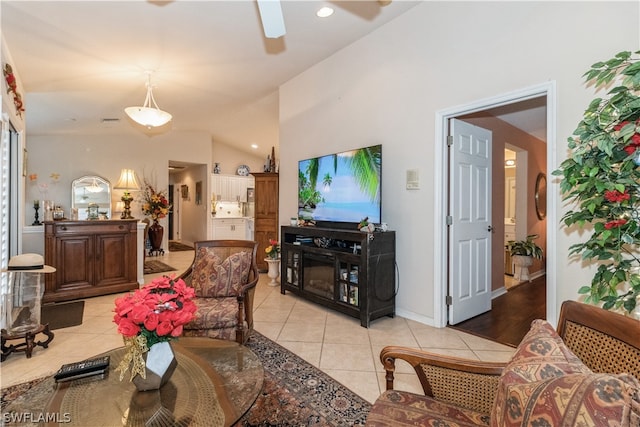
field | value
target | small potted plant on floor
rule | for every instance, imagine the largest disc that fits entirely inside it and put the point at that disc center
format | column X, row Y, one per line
column 523, row 252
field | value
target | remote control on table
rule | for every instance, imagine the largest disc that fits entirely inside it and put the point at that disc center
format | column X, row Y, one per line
column 85, row 368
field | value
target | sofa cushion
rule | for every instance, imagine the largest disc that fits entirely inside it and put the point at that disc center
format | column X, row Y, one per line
column 214, row 313
column 545, row 384
column 572, row 400
column 400, row 408
column 217, row 276
column 541, row 355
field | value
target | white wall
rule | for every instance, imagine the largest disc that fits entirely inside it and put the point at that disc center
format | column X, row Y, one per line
column 230, row 158
column 387, row 87
column 73, row 156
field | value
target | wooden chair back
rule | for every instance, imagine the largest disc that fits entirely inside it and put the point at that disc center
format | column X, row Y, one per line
column 605, row 341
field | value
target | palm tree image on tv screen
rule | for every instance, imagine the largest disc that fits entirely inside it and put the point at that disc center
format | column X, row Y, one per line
column 341, row 187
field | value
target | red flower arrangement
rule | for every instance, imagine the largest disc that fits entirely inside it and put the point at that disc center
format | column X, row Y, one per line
column 615, row 223
column 616, row 196
column 154, row 313
column 273, row 250
column 634, row 140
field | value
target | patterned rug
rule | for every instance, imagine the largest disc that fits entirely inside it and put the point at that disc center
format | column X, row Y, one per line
column 153, row 266
column 295, row 393
column 178, row 247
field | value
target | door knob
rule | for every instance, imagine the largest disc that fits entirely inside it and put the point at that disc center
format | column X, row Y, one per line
column 489, row 229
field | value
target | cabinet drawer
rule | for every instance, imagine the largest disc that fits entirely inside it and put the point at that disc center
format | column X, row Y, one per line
column 95, row 228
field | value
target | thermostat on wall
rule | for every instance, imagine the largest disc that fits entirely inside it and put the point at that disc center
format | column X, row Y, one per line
column 413, row 179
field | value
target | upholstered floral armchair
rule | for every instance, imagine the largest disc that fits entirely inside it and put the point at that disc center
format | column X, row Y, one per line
column 224, row 275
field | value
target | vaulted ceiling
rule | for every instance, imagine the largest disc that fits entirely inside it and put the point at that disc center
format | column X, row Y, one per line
column 82, row 62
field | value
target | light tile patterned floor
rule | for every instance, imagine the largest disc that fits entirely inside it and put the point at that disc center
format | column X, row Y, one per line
column 333, row 342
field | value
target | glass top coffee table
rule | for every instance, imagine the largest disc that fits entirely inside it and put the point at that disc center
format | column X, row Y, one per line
column 215, row 383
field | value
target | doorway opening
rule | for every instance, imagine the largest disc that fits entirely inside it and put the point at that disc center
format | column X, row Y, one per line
column 504, row 104
column 189, row 215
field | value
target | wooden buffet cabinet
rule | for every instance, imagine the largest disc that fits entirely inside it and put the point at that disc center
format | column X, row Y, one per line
column 91, row 258
column 266, row 213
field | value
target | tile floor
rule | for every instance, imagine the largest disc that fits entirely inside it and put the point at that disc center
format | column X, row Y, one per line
column 333, row 342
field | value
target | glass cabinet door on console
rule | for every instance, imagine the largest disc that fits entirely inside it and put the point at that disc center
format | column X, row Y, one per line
column 348, row 283
column 291, row 266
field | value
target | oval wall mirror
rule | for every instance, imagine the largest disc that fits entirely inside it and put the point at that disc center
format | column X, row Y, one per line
column 541, row 196
column 94, row 192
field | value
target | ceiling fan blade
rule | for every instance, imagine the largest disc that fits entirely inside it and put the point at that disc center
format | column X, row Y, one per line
column 272, row 19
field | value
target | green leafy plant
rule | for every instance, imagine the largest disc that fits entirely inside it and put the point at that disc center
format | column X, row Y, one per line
column 525, row 247
column 601, row 177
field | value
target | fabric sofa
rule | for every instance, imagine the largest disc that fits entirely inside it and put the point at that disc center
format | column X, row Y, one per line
column 586, row 374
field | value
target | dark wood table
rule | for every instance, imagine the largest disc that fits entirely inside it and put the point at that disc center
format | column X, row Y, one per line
column 215, row 383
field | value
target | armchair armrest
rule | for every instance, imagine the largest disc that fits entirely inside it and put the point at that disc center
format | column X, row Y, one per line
column 245, row 299
column 468, row 383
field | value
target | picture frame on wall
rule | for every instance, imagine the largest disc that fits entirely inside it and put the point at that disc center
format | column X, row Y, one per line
column 198, row 192
column 184, row 191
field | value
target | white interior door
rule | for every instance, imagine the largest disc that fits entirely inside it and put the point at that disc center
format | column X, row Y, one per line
column 469, row 221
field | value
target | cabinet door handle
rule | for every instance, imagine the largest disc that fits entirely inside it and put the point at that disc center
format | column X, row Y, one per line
column 63, row 228
column 121, row 227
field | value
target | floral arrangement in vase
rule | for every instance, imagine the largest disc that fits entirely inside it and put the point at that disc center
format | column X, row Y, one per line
column 154, row 203
column 155, row 313
column 601, row 177
column 273, row 250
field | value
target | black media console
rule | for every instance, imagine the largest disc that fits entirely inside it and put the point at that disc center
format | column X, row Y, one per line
column 347, row 270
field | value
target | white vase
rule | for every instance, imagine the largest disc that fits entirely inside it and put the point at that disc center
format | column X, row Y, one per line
column 274, row 270
column 160, row 362
column 522, row 262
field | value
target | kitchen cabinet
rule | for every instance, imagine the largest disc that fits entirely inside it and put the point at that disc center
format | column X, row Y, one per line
column 91, row 258
column 266, row 213
column 231, row 229
column 231, row 188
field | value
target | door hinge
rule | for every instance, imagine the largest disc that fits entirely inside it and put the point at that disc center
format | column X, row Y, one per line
column 449, row 220
column 449, row 140
column 448, row 300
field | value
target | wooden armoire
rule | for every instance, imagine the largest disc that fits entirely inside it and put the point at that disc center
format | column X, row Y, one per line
column 266, row 213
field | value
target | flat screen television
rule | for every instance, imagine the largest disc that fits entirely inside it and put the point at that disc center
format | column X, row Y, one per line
column 341, row 189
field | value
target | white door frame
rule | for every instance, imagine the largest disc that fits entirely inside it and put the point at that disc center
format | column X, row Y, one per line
column 177, row 211
column 440, row 290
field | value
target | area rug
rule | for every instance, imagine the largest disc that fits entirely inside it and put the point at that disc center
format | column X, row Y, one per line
column 60, row 315
column 154, row 266
column 294, row 393
column 178, row 247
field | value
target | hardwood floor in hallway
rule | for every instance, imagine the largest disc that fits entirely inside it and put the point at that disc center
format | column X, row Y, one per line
column 511, row 314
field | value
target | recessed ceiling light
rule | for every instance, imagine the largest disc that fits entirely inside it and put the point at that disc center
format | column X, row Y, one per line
column 324, row 12
column 254, row 146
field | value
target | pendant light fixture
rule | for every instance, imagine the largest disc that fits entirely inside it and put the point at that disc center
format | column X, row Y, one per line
column 149, row 115
column 94, row 187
